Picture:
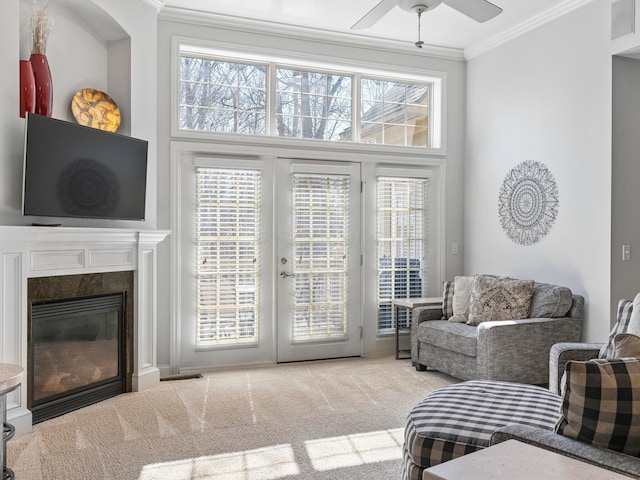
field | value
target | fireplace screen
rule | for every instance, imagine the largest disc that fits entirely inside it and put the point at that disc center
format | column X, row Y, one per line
column 77, row 353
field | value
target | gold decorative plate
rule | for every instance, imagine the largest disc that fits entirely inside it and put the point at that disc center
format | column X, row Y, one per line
column 93, row 108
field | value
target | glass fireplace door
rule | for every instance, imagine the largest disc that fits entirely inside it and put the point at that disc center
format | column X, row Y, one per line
column 76, row 354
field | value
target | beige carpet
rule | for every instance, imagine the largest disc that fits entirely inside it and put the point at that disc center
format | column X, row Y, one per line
column 337, row 419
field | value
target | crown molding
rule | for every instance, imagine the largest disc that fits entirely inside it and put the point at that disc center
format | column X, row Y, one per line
column 157, row 4
column 534, row 22
column 283, row 30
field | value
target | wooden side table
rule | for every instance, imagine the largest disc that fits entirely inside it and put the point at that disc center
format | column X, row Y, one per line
column 514, row 459
column 10, row 379
column 410, row 304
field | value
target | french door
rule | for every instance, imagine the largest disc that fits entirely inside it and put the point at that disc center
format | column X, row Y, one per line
column 318, row 260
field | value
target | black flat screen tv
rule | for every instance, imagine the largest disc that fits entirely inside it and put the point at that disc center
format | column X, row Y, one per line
column 75, row 171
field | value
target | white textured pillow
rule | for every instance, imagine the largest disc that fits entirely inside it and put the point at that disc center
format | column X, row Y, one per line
column 634, row 322
column 461, row 297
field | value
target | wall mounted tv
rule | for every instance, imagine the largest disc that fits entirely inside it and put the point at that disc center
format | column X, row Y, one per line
column 76, row 171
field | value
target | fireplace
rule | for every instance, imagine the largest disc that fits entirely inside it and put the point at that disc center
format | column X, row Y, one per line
column 79, row 341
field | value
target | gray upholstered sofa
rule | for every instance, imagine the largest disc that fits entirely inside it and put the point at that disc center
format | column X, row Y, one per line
column 505, row 350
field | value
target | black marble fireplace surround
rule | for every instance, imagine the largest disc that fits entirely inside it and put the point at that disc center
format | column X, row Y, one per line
column 83, row 334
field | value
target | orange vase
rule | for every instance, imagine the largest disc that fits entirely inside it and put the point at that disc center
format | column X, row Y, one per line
column 27, row 88
column 44, row 85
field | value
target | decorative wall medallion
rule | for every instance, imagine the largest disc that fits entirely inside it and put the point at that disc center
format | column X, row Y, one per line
column 528, row 202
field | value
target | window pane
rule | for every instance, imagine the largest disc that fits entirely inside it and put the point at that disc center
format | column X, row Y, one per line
column 390, row 109
column 402, row 209
column 313, row 105
column 229, row 90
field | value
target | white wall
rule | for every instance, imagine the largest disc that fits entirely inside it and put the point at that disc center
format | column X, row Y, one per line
column 546, row 96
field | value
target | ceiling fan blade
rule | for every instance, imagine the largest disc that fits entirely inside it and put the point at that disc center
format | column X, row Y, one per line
column 375, row 14
column 479, row 10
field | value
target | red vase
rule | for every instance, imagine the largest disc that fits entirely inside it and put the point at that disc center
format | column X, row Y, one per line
column 27, row 88
column 44, row 86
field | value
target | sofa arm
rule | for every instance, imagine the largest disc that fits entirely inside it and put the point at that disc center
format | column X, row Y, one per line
column 604, row 458
column 561, row 353
column 518, row 350
column 419, row 315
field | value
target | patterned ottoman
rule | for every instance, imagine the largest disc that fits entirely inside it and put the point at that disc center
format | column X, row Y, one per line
column 460, row 419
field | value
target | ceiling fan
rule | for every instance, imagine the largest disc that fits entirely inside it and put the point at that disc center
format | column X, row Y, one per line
column 479, row 10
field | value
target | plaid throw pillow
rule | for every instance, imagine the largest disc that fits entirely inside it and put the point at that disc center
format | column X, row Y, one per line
column 625, row 308
column 601, row 404
column 447, row 300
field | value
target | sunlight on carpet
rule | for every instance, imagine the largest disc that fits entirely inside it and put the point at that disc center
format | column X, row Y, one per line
column 268, row 463
column 353, row 450
column 278, row 461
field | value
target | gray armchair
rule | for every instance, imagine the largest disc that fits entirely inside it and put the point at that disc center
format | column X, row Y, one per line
column 561, row 353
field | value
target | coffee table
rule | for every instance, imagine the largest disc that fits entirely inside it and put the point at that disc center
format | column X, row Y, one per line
column 517, row 460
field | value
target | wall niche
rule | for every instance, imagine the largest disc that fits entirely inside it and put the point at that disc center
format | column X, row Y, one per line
column 86, row 48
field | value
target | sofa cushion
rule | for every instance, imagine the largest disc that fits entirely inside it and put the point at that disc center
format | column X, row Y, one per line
column 461, row 296
column 447, row 300
column 625, row 309
column 601, row 404
column 458, row 337
column 626, row 345
column 499, row 299
column 550, row 301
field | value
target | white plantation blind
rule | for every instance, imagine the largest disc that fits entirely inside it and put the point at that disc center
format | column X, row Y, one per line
column 402, row 239
column 227, row 255
column 320, row 241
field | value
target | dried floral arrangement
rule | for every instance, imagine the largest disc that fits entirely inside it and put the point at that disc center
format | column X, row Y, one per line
column 41, row 25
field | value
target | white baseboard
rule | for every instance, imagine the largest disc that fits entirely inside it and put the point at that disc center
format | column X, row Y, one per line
column 21, row 419
column 150, row 377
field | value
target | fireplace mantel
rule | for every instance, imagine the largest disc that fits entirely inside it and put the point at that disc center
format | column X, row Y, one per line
column 29, row 252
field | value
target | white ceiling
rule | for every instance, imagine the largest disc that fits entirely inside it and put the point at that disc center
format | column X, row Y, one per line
column 443, row 26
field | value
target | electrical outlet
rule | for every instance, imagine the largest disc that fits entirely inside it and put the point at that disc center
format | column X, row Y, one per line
column 454, row 249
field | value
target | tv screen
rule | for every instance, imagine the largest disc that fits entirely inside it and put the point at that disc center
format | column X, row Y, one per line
column 76, row 171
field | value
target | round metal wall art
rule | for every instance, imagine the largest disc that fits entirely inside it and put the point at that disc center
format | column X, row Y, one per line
column 528, row 202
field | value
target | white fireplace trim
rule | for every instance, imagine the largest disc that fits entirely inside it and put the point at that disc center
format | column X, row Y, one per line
column 28, row 252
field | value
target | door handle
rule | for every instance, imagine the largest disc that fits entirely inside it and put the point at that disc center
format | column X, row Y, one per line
column 284, row 274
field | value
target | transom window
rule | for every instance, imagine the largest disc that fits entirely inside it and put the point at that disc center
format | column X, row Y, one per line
column 313, row 105
column 224, row 97
column 262, row 97
column 394, row 113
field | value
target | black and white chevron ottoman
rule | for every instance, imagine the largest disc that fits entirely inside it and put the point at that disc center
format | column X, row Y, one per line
column 460, row 419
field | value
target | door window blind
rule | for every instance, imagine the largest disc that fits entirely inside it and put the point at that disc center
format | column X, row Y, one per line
column 227, row 255
column 402, row 211
column 320, row 241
